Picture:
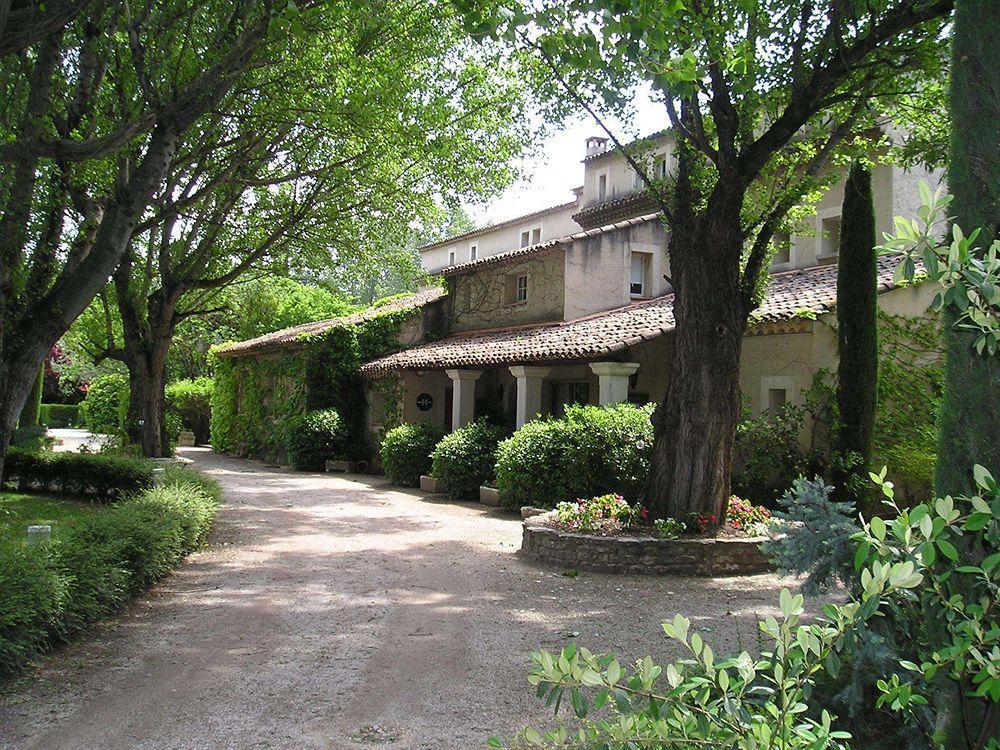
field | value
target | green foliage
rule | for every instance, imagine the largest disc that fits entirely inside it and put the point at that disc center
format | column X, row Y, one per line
column 103, row 477
column 59, row 415
column 406, row 452
column 768, row 455
column 49, row 593
column 605, row 514
column 315, row 437
column 590, row 451
column 465, row 459
column 106, row 404
column 857, row 329
column 191, row 400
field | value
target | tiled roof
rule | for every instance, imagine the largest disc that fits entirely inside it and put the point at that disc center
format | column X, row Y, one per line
column 520, row 253
column 288, row 337
column 641, row 140
column 813, row 289
column 638, row 202
column 499, row 225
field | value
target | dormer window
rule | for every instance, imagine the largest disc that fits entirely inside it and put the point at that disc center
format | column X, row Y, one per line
column 473, row 251
column 639, row 275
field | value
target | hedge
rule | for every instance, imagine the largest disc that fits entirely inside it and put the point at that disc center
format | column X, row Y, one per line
column 314, row 438
column 59, row 415
column 105, row 407
column 191, row 400
column 102, row 477
column 465, row 460
column 591, row 451
column 49, row 593
column 406, row 452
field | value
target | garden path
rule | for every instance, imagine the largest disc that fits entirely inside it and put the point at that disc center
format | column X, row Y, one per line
column 336, row 612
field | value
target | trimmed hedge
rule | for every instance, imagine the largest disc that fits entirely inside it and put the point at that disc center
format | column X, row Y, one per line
column 465, row 460
column 105, row 407
column 592, row 451
column 191, row 400
column 49, row 593
column 315, row 437
column 406, row 452
column 59, row 415
column 103, row 477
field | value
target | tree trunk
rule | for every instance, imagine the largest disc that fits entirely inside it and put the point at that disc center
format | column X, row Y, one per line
column 857, row 337
column 695, row 425
column 146, row 424
column 33, row 405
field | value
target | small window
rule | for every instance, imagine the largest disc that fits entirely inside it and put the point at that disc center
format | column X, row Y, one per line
column 638, row 285
column 831, row 237
column 525, row 238
column 776, row 398
column 602, row 187
column 660, row 166
column 782, row 249
column 473, row 251
column 536, row 235
column 451, row 257
column 515, row 288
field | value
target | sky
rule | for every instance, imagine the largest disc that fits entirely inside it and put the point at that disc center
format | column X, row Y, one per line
column 556, row 167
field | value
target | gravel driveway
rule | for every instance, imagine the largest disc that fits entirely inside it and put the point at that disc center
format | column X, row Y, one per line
column 337, row 612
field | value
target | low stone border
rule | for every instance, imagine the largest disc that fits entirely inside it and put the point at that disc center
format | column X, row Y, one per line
column 641, row 555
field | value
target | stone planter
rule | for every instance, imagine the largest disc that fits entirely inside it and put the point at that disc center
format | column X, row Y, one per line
column 489, row 496
column 641, row 555
column 341, row 465
column 185, row 439
column 428, row 484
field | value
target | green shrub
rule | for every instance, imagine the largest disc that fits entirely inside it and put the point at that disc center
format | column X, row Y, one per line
column 466, row 459
column 591, row 451
column 59, row 415
column 103, row 410
column 191, row 400
column 105, row 477
column 49, row 593
column 314, row 438
column 406, row 452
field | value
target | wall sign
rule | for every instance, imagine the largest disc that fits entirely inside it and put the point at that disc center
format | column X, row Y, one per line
column 425, row 401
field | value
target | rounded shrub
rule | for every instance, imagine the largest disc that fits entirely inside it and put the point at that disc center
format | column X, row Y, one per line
column 103, row 410
column 406, row 452
column 465, row 459
column 592, row 451
column 315, row 437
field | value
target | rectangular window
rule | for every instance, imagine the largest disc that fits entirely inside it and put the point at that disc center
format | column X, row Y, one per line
column 564, row 394
column 451, row 257
column 660, row 166
column 782, row 249
column 522, row 288
column 536, row 235
column 639, row 275
column 831, row 237
column 602, row 187
column 515, row 288
column 473, row 251
column 525, row 238
column 776, row 398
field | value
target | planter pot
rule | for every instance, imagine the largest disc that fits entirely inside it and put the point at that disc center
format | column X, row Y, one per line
column 489, row 496
column 428, row 484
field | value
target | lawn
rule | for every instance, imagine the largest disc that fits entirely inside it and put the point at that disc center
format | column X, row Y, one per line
column 17, row 512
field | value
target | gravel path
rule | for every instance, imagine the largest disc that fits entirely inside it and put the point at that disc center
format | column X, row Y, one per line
column 336, row 612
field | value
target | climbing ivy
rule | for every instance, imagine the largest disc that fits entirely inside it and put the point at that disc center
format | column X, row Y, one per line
column 257, row 398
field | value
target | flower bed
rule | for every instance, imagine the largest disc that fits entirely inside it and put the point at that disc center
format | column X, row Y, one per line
column 605, row 534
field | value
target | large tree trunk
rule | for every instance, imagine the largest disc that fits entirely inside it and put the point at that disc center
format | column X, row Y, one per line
column 695, row 425
column 16, row 378
column 146, row 424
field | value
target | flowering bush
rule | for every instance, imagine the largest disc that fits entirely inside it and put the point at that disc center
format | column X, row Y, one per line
column 746, row 517
column 606, row 514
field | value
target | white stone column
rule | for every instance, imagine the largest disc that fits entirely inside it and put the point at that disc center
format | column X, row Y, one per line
column 463, row 396
column 529, row 391
column 613, row 380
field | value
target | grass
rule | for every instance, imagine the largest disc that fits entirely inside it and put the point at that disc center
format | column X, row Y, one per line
column 18, row 511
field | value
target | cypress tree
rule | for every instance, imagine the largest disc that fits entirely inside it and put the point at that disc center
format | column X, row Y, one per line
column 857, row 330
column 969, row 422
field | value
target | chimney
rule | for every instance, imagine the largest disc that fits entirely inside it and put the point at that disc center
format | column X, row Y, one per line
column 596, row 145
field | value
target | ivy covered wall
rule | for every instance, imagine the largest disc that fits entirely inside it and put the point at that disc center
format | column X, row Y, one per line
column 257, row 398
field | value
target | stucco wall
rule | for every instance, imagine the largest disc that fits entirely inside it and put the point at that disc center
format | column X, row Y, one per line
column 620, row 176
column 479, row 298
column 554, row 225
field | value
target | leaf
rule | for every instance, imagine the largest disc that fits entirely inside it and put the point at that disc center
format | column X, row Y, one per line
column 947, row 549
column 590, row 678
column 878, row 528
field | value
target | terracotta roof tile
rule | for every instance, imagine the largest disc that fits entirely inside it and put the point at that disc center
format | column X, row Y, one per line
column 289, row 337
column 598, row 335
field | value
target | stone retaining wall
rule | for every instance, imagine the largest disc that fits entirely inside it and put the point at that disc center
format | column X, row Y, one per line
column 642, row 555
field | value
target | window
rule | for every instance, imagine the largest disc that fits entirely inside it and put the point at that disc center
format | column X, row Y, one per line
column 831, row 237
column 515, row 288
column 660, row 166
column 782, row 249
column 564, row 394
column 451, row 257
column 531, row 236
column 776, row 398
column 525, row 238
column 638, row 279
column 473, row 251
column 536, row 235
column 602, row 187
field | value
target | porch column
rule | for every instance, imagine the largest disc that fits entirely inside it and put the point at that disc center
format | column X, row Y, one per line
column 463, row 396
column 613, row 380
column 529, row 391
